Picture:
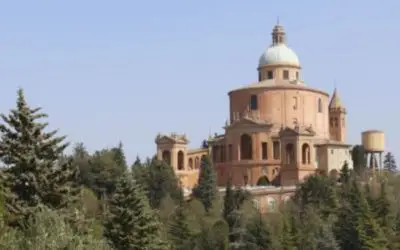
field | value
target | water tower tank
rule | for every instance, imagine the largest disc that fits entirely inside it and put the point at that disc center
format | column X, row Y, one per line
column 373, row 141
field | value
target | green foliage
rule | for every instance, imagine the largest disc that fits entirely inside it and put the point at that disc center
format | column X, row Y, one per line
column 206, row 189
column 161, row 181
column 358, row 158
column 389, row 162
column 259, row 234
column 179, row 232
column 131, row 223
column 34, row 174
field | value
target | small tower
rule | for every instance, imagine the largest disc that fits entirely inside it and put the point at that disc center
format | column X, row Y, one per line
column 278, row 35
column 337, row 118
column 172, row 149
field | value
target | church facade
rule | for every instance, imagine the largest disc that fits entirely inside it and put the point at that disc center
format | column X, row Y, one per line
column 280, row 130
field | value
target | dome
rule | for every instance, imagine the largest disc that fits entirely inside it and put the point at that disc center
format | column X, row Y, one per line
column 279, row 54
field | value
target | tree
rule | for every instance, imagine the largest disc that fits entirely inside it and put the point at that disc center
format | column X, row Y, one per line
column 131, row 223
column 358, row 158
column 206, row 189
column 161, row 181
column 178, row 229
column 119, row 156
column 318, row 192
column 259, row 234
column 34, row 172
column 356, row 227
column 104, row 172
column 389, row 162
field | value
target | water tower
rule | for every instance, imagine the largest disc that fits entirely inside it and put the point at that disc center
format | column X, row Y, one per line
column 373, row 142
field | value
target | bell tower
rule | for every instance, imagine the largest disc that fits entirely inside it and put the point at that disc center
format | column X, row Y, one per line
column 172, row 149
column 337, row 118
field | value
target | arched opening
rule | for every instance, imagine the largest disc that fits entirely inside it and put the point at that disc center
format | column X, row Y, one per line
column 290, row 157
column 197, row 163
column 263, row 181
column 190, row 163
column 203, row 157
column 181, row 160
column 305, row 154
column 246, row 150
column 166, row 156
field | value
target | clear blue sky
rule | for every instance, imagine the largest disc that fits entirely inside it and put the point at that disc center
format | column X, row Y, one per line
column 124, row 70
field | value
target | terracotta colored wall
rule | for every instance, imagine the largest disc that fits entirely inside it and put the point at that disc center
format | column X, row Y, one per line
column 277, row 105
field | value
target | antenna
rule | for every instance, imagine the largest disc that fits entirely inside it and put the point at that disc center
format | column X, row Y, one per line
column 277, row 20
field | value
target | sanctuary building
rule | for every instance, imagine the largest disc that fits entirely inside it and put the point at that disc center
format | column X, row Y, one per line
column 280, row 130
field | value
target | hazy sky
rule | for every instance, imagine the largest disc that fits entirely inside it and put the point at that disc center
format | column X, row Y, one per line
column 106, row 71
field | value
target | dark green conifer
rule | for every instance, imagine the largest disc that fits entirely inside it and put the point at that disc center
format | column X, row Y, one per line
column 179, row 232
column 206, row 189
column 161, row 181
column 131, row 223
column 34, row 172
column 258, row 234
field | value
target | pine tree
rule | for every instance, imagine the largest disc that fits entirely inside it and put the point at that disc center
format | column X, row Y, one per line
column 287, row 236
column 389, row 162
column 119, row 155
column 206, row 189
column 259, row 234
column 178, row 229
column 34, row 172
column 131, row 224
column 356, row 227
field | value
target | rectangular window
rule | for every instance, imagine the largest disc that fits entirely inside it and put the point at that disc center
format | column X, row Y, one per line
column 295, row 102
column 229, row 152
column 277, row 150
column 253, row 102
column 286, row 74
column 264, row 147
column 270, row 75
column 297, row 75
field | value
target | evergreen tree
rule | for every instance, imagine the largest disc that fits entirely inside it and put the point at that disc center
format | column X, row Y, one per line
column 119, row 156
column 356, row 227
column 229, row 208
column 161, row 182
column 389, row 162
column 259, row 234
column 288, row 234
column 131, row 223
column 358, row 158
column 178, row 229
column 206, row 189
column 34, row 172
column 318, row 192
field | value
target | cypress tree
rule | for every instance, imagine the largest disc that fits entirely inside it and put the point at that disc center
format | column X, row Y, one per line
column 34, row 174
column 206, row 189
column 131, row 223
column 229, row 208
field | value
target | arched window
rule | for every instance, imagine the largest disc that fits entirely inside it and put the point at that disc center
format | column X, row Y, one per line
column 190, row 163
column 197, row 163
column 290, row 156
column 305, row 154
column 319, row 105
column 246, row 150
column 271, row 204
column 181, row 160
column 263, row 181
column 166, row 156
